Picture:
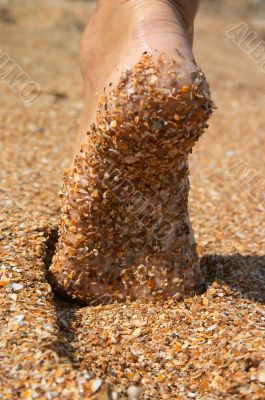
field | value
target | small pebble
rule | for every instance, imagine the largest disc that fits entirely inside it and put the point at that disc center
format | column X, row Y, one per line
column 134, row 392
column 16, row 286
column 261, row 377
column 96, row 384
column 137, row 332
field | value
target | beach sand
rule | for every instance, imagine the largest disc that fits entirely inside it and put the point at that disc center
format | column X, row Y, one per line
column 208, row 347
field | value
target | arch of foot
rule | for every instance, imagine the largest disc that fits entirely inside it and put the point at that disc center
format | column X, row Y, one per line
column 125, row 231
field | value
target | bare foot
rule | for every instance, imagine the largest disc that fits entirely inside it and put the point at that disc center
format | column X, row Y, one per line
column 125, row 231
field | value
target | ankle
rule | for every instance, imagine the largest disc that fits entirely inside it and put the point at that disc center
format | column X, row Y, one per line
column 185, row 11
column 187, row 8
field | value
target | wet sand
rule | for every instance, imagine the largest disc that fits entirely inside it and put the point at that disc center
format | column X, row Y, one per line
column 208, row 347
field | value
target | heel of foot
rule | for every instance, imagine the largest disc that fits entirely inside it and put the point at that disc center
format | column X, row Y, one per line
column 149, row 111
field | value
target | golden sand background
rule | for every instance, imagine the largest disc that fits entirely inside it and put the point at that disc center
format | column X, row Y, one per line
column 208, row 347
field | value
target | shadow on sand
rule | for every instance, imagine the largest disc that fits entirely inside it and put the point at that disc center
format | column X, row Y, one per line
column 243, row 273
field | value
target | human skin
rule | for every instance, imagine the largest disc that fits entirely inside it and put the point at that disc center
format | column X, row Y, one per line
column 125, row 231
column 128, row 28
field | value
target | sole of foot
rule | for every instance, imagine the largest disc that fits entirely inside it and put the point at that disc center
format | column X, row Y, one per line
column 125, row 232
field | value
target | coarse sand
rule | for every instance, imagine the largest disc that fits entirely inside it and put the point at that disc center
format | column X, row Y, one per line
column 208, row 347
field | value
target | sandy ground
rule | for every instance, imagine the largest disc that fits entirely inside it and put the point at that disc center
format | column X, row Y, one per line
column 208, row 347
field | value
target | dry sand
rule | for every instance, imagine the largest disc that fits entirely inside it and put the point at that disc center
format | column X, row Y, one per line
column 208, row 347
